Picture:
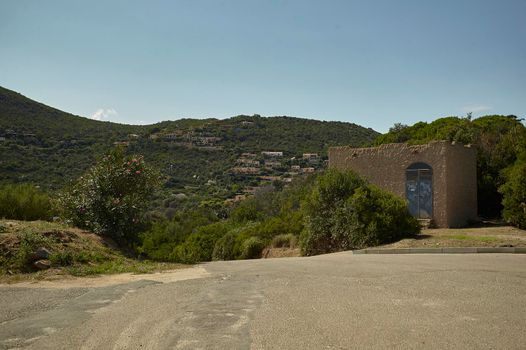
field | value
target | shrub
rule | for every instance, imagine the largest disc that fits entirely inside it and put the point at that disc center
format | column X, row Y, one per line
column 241, row 234
column 291, row 222
column 285, row 241
column 75, row 258
column 199, row 246
column 224, row 247
column 252, row 248
column 246, row 210
column 264, row 204
column 29, row 243
column 514, row 196
column 111, row 197
column 344, row 212
column 163, row 236
column 24, row 202
column 62, row 258
column 379, row 217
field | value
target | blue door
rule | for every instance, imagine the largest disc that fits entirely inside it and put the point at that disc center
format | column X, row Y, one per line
column 419, row 190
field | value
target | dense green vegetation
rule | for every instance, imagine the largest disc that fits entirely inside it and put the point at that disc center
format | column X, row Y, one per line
column 514, row 195
column 63, row 248
column 174, row 209
column 500, row 142
column 112, row 197
column 49, row 148
column 343, row 212
column 240, row 232
column 25, row 202
column 331, row 212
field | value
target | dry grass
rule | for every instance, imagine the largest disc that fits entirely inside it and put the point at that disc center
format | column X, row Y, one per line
column 491, row 236
column 74, row 252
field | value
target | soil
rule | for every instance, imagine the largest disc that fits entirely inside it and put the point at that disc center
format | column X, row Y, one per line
column 68, row 281
column 280, row 252
column 492, row 236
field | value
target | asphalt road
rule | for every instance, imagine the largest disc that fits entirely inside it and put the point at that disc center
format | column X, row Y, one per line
column 336, row 301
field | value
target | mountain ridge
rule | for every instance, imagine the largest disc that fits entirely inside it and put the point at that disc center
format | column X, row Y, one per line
column 48, row 147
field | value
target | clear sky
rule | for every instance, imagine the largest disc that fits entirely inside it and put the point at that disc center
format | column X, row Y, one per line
column 371, row 62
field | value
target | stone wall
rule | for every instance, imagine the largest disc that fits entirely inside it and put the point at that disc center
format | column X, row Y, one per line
column 454, row 174
column 461, row 185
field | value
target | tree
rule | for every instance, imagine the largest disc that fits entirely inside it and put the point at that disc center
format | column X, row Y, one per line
column 111, row 198
column 514, row 195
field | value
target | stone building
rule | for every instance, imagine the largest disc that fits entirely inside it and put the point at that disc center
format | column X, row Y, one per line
column 438, row 179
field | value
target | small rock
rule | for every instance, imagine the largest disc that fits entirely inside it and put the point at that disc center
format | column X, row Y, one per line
column 42, row 264
column 42, row 253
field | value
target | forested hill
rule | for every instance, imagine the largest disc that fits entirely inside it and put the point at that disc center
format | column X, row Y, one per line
column 48, row 147
column 23, row 115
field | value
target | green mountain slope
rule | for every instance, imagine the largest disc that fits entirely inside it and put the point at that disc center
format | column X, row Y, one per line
column 48, row 147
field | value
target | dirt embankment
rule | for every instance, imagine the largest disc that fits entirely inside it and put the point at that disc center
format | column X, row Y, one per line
column 44, row 250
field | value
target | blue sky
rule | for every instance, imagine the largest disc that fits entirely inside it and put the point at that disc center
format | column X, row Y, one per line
column 373, row 63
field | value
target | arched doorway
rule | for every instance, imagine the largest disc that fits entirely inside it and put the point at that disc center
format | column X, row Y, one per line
column 419, row 190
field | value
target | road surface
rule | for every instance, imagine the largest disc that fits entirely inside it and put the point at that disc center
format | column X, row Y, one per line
column 335, row 301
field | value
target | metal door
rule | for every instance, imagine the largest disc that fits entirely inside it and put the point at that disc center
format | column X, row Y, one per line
column 419, row 190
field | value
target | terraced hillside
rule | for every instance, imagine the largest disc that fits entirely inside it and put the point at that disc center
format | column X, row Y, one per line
column 219, row 158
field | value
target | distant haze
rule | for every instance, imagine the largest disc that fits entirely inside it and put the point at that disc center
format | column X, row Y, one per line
column 373, row 63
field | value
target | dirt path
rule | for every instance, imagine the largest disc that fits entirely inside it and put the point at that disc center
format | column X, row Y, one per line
column 65, row 282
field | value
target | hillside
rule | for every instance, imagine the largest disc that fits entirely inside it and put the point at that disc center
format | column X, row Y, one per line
column 48, row 147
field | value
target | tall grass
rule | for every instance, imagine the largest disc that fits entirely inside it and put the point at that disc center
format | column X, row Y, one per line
column 24, row 202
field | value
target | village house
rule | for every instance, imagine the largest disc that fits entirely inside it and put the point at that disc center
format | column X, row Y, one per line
column 250, row 190
column 270, row 178
column 205, row 140
column 308, row 170
column 272, row 164
column 245, row 170
column 236, row 198
column 248, row 162
column 438, row 180
column 272, row 154
column 248, row 155
column 171, row 136
column 295, row 168
column 309, row 156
